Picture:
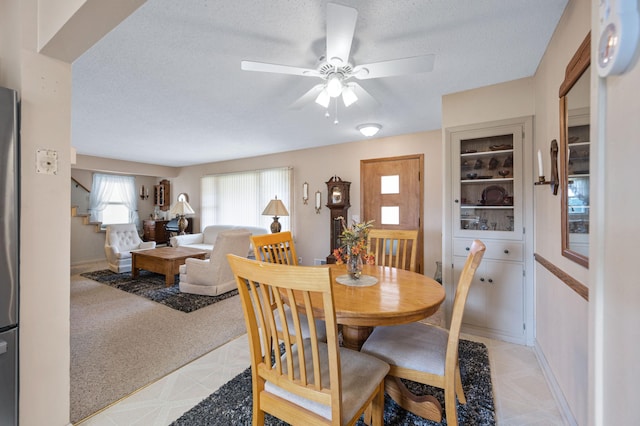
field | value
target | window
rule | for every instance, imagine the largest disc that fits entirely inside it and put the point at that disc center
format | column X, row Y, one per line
column 240, row 198
column 113, row 200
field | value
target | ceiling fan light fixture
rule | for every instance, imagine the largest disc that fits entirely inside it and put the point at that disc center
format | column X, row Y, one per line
column 369, row 129
column 348, row 96
column 334, row 86
column 323, row 98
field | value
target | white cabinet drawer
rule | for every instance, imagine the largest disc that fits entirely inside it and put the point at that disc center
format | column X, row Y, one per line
column 497, row 250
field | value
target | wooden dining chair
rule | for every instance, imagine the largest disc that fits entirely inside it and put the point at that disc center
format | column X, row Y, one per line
column 303, row 380
column 394, row 247
column 427, row 354
column 275, row 248
column 279, row 248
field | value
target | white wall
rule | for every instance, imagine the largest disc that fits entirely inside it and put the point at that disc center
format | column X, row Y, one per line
column 615, row 290
column 44, row 86
column 317, row 166
column 561, row 314
column 490, row 103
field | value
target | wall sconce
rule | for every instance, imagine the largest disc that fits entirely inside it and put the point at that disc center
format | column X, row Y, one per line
column 144, row 193
column 318, row 201
column 554, row 182
column 305, row 193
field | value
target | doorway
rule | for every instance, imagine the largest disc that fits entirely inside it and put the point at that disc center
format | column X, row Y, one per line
column 392, row 195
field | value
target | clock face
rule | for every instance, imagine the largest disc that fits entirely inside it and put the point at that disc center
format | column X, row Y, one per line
column 336, row 195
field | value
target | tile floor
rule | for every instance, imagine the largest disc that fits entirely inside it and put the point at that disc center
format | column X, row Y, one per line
column 521, row 394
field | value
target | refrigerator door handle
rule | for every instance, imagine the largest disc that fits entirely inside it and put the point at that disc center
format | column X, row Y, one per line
column 3, row 347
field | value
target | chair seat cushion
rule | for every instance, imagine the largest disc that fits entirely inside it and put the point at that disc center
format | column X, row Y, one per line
column 414, row 346
column 361, row 374
column 123, row 255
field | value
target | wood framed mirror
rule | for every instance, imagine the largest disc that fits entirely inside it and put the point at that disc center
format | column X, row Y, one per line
column 574, row 155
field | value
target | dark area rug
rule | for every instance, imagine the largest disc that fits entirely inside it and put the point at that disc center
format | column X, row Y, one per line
column 152, row 286
column 232, row 403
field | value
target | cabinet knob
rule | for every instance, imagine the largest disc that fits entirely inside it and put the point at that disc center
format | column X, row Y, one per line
column 482, row 279
column 490, row 280
column 467, row 248
column 456, row 201
column 506, row 251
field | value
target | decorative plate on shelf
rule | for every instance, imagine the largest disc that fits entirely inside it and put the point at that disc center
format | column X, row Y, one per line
column 493, row 195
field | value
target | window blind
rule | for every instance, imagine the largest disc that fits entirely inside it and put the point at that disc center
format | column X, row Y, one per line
column 240, row 198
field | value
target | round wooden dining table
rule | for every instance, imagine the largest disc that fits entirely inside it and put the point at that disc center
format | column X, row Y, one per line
column 397, row 297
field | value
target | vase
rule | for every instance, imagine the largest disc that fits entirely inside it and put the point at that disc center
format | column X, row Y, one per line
column 354, row 266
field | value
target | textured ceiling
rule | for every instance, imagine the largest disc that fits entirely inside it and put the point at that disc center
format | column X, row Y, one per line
column 165, row 87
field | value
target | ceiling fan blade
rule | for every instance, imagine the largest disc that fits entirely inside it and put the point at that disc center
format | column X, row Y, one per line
column 365, row 100
column 278, row 69
column 307, row 98
column 413, row 65
column 341, row 25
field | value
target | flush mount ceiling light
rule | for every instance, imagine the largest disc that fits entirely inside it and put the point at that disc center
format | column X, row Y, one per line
column 369, row 129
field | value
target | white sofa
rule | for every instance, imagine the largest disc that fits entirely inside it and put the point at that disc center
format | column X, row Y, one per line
column 206, row 239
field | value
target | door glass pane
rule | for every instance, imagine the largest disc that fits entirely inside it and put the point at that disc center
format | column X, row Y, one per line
column 390, row 215
column 390, row 184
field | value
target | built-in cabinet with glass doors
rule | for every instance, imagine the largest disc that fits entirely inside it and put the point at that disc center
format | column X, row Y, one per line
column 486, row 200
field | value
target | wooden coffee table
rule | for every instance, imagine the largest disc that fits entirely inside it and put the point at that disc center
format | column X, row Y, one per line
column 163, row 260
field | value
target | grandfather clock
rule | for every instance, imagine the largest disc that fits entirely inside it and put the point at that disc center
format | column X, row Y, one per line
column 338, row 204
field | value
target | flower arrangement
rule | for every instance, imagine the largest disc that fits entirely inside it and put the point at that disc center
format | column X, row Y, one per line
column 353, row 244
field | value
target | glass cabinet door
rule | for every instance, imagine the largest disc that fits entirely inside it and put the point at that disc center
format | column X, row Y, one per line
column 487, row 183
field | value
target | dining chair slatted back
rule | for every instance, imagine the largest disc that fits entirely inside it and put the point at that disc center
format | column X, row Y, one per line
column 279, row 248
column 394, row 247
column 275, row 248
column 432, row 355
column 302, row 380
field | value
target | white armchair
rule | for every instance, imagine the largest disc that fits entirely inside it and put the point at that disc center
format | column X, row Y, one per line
column 119, row 242
column 214, row 276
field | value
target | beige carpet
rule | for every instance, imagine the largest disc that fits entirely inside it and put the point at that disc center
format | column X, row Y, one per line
column 121, row 342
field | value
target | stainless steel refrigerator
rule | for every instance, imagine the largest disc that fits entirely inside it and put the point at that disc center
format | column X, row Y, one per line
column 9, row 251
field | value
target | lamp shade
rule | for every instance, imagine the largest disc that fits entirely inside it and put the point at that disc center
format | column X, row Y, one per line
column 334, row 86
column 275, row 208
column 323, row 98
column 181, row 208
column 348, row 96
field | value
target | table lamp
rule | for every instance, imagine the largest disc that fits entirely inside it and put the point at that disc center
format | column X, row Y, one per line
column 181, row 208
column 275, row 208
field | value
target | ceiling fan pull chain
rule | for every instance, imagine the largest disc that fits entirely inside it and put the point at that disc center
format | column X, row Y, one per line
column 335, row 119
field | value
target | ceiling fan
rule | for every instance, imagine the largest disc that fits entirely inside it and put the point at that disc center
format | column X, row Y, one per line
column 335, row 69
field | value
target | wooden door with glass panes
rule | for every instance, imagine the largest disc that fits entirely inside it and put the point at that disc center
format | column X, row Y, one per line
column 391, row 191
